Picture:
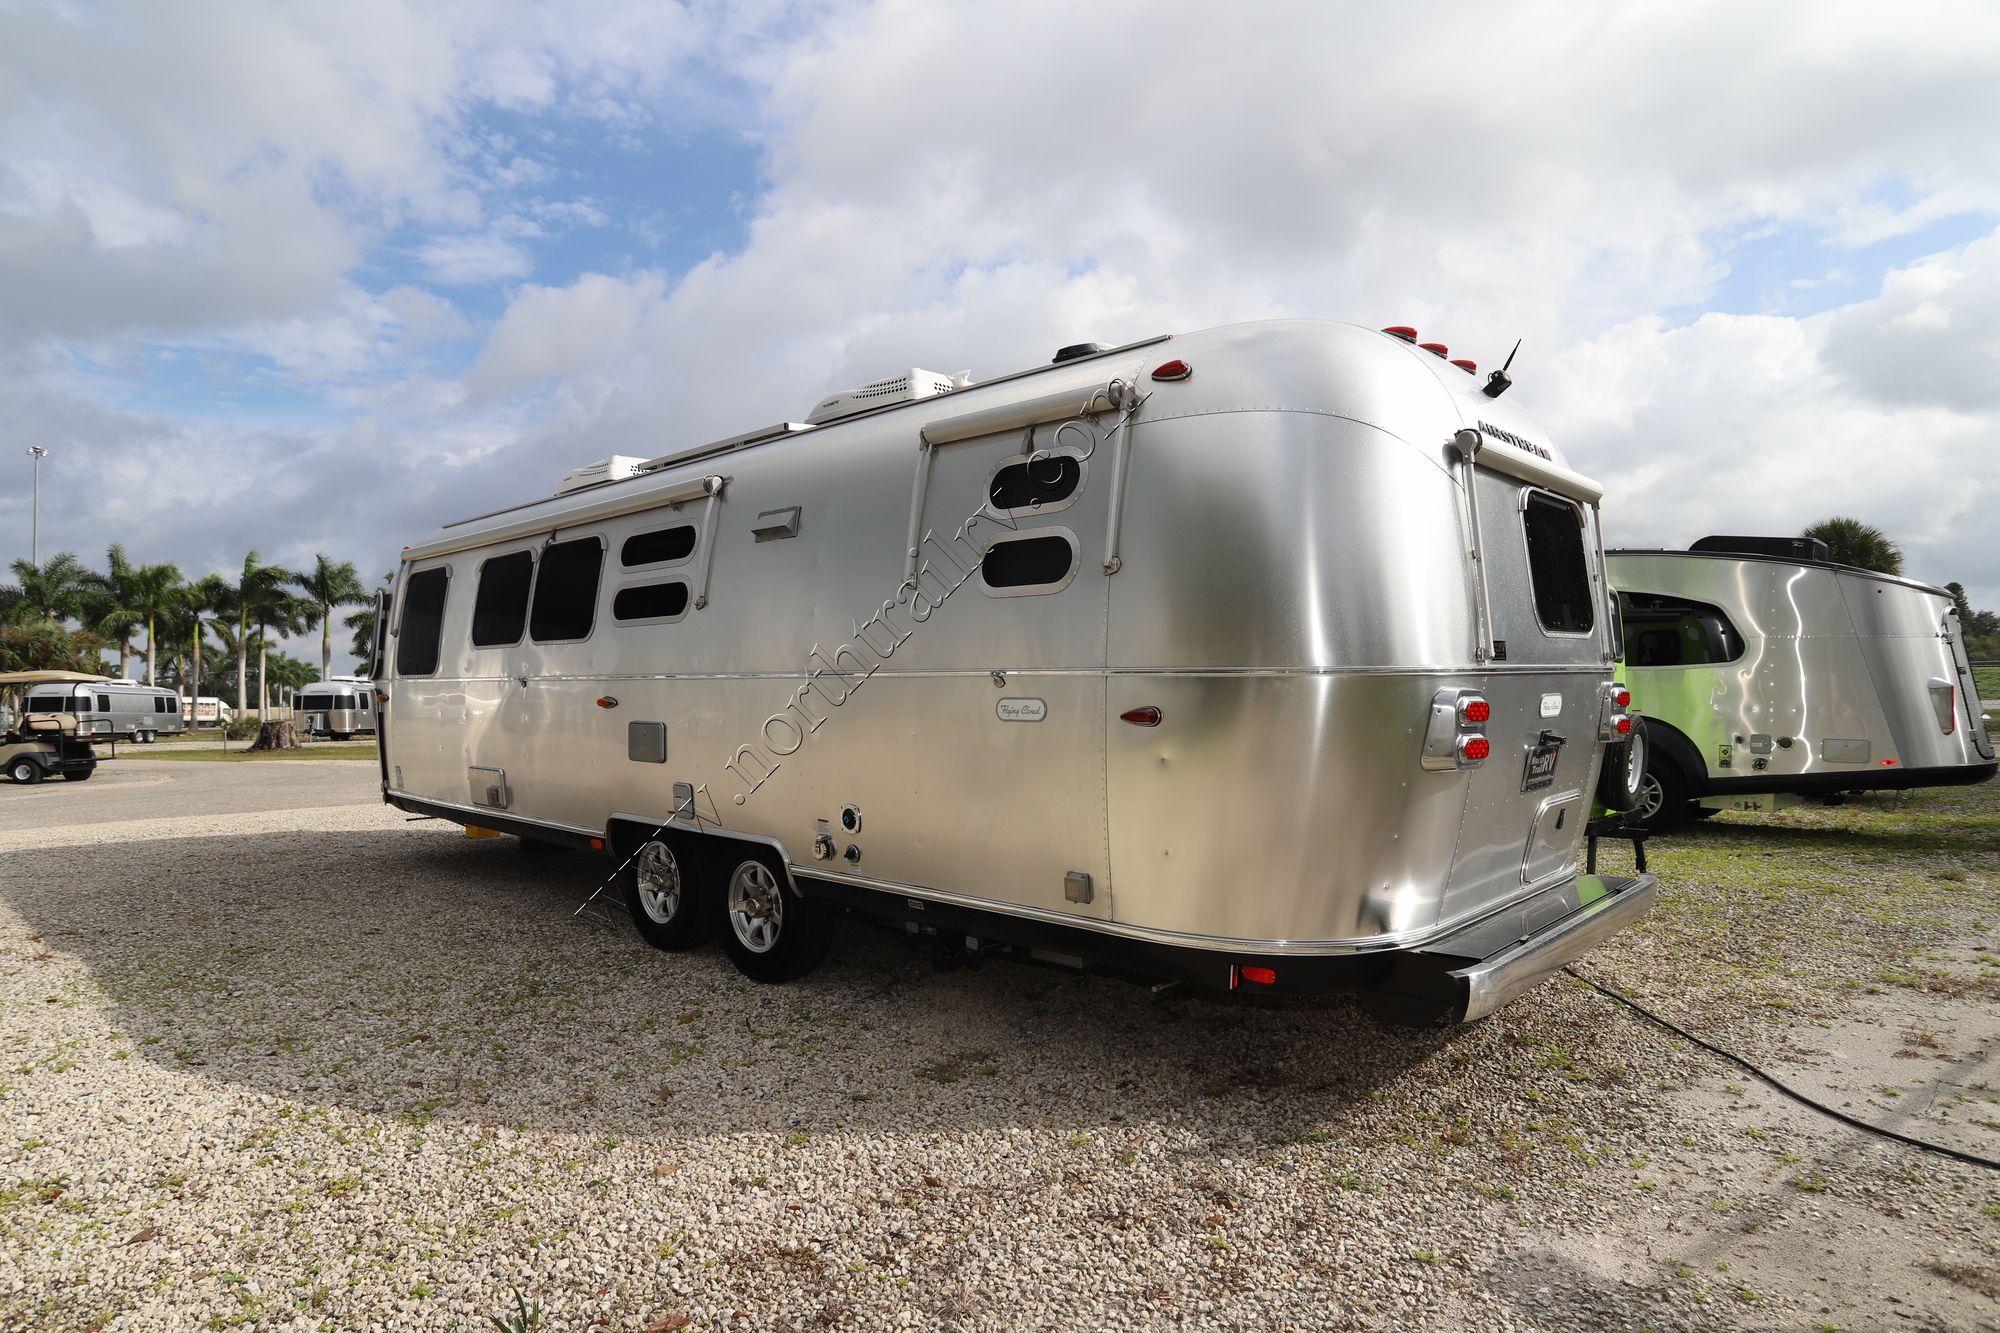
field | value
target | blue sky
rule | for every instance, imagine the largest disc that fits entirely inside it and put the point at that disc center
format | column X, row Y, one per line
column 305, row 279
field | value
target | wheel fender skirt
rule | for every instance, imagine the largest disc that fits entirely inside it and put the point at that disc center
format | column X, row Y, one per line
column 1471, row 972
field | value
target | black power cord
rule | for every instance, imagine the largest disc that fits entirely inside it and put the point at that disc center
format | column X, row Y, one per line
column 1940, row 1149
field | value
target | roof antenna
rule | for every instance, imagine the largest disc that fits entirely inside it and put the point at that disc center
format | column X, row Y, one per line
column 1497, row 383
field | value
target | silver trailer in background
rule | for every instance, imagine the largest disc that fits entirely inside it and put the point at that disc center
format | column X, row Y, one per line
column 1767, row 673
column 1272, row 656
column 113, row 709
column 339, row 706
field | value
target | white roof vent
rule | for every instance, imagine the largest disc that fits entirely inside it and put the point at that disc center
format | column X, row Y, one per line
column 905, row 388
column 615, row 468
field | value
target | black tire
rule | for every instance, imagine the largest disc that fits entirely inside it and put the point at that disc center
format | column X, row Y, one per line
column 772, row 934
column 25, row 771
column 79, row 775
column 343, row 735
column 1623, row 776
column 668, row 905
column 1663, row 798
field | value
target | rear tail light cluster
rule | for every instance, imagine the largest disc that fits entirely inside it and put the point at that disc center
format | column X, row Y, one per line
column 1456, row 737
column 1616, row 722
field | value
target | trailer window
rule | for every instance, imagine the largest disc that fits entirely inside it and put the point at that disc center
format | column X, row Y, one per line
column 422, row 626
column 1018, row 565
column 661, row 546
column 566, row 591
column 650, row 601
column 1557, row 566
column 51, row 703
column 1663, row 631
column 1035, row 483
column 500, row 610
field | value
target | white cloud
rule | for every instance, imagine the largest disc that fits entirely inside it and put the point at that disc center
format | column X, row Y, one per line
column 461, row 261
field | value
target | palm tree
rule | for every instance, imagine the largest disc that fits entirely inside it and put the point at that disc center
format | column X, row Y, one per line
column 327, row 585
column 208, row 593
column 154, row 591
column 276, row 610
column 109, row 610
column 1849, row 541
column 259, row 586
column 362, row 623
column 58, row 591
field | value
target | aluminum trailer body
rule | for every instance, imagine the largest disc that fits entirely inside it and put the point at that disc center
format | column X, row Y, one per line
column 113, row 709
column 1271, row 655
column 340, row 707
column 1773, row 674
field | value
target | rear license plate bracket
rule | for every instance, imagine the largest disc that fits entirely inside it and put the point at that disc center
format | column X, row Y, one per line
column 1540, row 769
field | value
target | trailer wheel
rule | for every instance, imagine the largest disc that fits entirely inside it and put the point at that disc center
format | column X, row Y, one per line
column 1663, row 798
column 1623, row 779
column 25, row 771
column 774, row 934
column 665, row 905
column 78, row 775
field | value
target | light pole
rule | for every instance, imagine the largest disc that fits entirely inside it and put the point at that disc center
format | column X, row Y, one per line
column 35, row 551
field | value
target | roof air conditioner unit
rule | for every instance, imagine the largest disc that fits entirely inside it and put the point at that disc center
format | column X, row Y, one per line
column 906, row 388
column 615, row 468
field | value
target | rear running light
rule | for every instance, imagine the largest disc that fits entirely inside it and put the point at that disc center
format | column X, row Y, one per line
column 1622, row 724
column 1620, row 696
column 1141, row 717
column 1259, row 976
column 1403, row 331
column 1473, row 750
column 1173, row 370
column 1474, row 710
column 1467, row 366
column 1435, row 349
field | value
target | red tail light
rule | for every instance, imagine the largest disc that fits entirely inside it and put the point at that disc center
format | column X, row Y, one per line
column 1622, row 724
column 1473, row 749
column 1620, row 696
column 1475, row 710
column 1142, row 717
column 1259, row 976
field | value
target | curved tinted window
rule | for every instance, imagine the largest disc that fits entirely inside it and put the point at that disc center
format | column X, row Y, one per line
column 1042, row 481
column 1027, row 562
column 1673, row 631
column 500, row 609
column 1557, row 566
column 657, row 547
column 650, row 601
column 423, row 623
column 566, row 591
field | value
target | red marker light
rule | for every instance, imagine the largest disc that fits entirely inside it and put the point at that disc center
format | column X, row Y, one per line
column 1435, row 349
column 1403, row 331
column 1623, row 726
column 1173, row 370
column 1467, row 366
column 1475, row 748
column 597, row 844
column 1142, row 717
column 1888, row 763
column 1478, row 710
column 1620, row 697
column 606, row 701
column 1260, row 976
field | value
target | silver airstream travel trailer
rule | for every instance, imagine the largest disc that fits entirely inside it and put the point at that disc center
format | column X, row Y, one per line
column 1271, row 656
column 1767, row 673
column 114, row 709
column 339, row 706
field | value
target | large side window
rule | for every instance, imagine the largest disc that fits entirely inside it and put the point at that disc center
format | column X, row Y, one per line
column 1662, row 631
column 566, row 592
column 422, row 626
column 1557, row 565
column 500, row 610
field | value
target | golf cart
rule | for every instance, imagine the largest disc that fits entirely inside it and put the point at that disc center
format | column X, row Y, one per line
column 36, row 746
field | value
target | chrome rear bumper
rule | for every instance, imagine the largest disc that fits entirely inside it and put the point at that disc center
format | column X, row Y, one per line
column 1471, row 972
column 1610, row 904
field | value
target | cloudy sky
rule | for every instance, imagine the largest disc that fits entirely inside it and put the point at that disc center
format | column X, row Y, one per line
column 316, row 278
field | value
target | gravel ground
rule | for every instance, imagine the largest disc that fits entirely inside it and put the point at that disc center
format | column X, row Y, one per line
column 292, row 1062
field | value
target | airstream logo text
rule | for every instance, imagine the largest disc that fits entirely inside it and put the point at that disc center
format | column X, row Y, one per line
column 1509, row 437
